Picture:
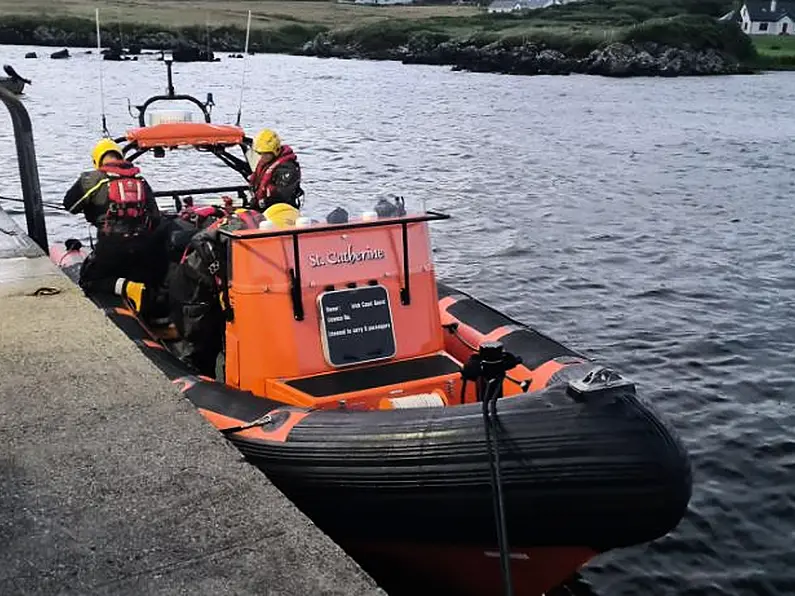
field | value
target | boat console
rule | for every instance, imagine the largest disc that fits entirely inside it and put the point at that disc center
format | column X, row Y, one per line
column 332, row 314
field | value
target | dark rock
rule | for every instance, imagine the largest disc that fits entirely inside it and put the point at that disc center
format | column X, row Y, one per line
column 113, row 54
column 192, row 54
column 31, row 55
column 553, row 62
column 622, row 60
column 324, row 47
column 528, row 58
column 60, row 55
column 614, row 61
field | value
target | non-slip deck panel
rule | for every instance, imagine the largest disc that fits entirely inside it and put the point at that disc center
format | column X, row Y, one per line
column 477, row 315
column 242, row 405
column 603, row 474
column 443, row 290
column 360, row 379
column 533, row 347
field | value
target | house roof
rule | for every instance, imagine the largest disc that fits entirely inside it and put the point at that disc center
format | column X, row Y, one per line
column 732, row 15
column 504, row 3
column 759, row 10
column 522, row 4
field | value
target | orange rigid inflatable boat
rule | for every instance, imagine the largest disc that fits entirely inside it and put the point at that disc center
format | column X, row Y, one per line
column 433, row 437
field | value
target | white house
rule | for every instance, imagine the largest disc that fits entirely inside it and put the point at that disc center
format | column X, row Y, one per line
column 515, row 5
column 767, row 17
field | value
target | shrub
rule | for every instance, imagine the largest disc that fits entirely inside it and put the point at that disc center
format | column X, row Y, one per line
column 696, row 32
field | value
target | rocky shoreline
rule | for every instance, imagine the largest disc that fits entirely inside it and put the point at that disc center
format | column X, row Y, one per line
column 54, row 36
column 613, row 60
column 506, row 57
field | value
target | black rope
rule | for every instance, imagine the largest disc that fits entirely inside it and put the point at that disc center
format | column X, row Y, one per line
column 490, row 397
column 261, row 421
column 49, row 205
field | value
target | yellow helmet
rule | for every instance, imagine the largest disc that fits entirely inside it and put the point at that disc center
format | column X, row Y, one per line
column 101, row 148
column 282, row 214
column 267, row 141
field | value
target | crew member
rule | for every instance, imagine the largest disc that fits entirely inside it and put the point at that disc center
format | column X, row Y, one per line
column 197, row 286
column 277, row 174
column 116, row 199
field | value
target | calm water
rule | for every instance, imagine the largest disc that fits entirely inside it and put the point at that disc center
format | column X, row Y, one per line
column 648, row 222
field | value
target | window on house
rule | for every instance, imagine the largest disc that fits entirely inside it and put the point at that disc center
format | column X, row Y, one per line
column 763, row 26
column 745, row 26
column 784, row 27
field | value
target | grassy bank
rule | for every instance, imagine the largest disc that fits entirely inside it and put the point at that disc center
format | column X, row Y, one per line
column 277, row 25
column 266, row 14
column 574, row 29
column 775, row 51
column 285, row 25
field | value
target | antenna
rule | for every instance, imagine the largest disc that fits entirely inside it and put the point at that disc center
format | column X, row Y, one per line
column 207, row 27
column 101, row 82
column 245, row 60
column 121, row 36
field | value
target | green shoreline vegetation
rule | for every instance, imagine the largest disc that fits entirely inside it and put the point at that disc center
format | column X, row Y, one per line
column 290, row 26
column 776, row 52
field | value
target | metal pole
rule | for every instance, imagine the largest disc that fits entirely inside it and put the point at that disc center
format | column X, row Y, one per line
column 170, row 79
column 28, row 169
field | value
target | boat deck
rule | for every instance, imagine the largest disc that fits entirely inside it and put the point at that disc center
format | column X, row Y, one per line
column 111, row 482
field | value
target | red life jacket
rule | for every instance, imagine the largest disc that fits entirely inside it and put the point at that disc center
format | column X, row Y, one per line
column 262, row 178
column 199, row 216
column 126, row 196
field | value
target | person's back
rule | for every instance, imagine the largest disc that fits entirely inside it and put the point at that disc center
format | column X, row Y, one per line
column 196, row 289
column 114, row 196
column 197, row 286
column 116, row 199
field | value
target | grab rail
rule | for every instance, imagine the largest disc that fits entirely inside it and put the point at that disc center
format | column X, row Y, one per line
column 28, row 169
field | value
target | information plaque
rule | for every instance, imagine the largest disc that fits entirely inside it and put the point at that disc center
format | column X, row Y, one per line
column 356, row 325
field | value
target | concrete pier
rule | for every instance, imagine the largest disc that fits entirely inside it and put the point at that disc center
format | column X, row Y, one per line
column 111, row 482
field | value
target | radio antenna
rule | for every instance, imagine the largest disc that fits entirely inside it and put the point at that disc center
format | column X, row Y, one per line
column 101, row 82
column 207, row 26
column 245, row 61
